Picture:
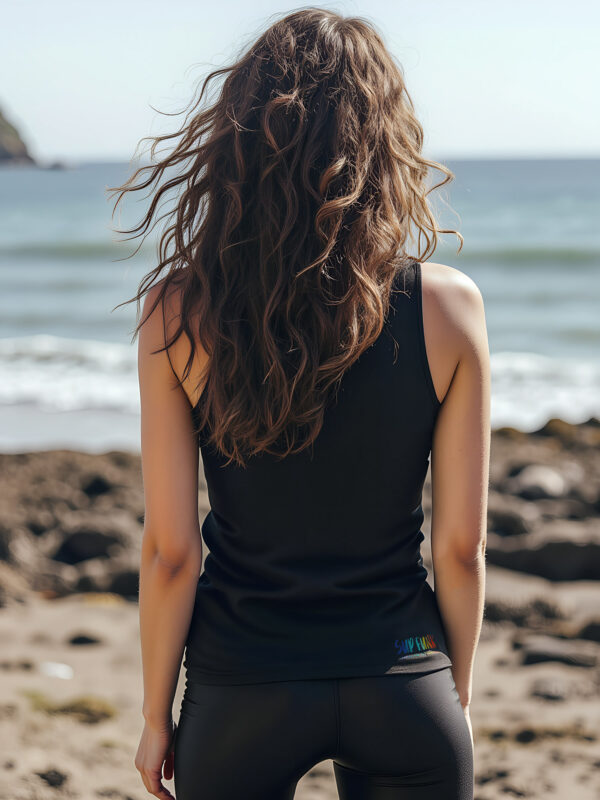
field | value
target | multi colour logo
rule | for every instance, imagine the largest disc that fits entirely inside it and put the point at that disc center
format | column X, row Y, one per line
column 414, row 644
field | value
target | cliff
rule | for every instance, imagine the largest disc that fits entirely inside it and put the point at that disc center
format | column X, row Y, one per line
column 13, row 149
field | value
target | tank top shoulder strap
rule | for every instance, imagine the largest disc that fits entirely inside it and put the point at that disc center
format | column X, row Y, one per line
column 407, row 322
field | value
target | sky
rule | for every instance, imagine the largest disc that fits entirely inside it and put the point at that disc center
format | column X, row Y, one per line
column 87, row 81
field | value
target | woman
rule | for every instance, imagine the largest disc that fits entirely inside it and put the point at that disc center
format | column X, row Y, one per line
column 317, row 365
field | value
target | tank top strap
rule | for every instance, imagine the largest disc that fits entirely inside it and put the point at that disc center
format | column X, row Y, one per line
column 403, row 310
column 407, row 324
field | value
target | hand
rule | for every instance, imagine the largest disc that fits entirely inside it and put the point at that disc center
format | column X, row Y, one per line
column 154, row 750
column 468, row 718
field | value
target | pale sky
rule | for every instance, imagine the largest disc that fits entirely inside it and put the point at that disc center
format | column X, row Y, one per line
column 488, row 79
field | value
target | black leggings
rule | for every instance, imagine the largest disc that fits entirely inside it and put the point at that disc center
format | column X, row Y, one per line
column 391, row 737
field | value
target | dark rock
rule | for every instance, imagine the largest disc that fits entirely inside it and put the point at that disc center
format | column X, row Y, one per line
column 538, row 649
column 549, row 554
column 491, row 775
column 506, row 522
column 534, row 614
column 85, row 544
column 125, row 583
column 525, row 735
column 53, row 777
column 5, row 540
column 569, row 508
column 13, row 149
column 515, row 467
column 591, row 631
column 95, row 485
column 83, row 639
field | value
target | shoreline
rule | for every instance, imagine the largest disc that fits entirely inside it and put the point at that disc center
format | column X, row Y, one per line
column 27, row 428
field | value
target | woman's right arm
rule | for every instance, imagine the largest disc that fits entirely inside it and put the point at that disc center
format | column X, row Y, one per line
column 459, row 481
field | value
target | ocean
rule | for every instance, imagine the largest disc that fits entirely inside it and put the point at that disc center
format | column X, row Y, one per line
column 68, row 368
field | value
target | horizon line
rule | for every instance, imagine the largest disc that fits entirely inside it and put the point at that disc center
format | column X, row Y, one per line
column 89, row 160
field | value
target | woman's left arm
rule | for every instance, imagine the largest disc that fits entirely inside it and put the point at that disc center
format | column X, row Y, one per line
column 171, row 554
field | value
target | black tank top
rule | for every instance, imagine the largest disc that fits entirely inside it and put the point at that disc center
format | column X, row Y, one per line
column 314, row 567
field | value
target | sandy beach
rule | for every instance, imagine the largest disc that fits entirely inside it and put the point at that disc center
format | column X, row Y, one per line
column 71, row 691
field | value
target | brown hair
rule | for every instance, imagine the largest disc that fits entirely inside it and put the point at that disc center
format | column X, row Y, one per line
column 304, row 178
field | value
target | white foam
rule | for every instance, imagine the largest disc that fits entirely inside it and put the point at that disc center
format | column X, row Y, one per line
column 55, row 374
column 63, row 374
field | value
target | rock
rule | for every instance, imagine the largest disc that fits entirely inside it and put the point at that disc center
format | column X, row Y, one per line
column 94, row 485
column 13, row 149
column 534, row 614
column 510, row 433
column 53, row 777
column 89, row 534
column 491, row 774
column 125, row 583
column 553, row 689
column 591, row 631
column 84, row 639
column 85, row 544
column 556, row 427
column 569, row 507
column 525, row 735
column 537, row 481
column 570, row 434
column 537, row 649
column 506, row 522
column 5, row 539
column 558, row 551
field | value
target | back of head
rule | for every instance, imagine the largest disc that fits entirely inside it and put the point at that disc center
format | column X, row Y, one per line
column 304, row 184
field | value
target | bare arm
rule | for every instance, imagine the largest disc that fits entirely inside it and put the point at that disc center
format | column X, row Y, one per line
column 171, row 555
column 459, row 482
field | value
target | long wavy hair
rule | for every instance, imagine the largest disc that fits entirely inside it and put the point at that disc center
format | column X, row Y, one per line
column 293, row 214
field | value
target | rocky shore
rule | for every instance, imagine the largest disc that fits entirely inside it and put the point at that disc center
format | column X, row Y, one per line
column 70, row 698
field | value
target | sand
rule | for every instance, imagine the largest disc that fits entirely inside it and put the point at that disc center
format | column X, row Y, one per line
column 70, row 668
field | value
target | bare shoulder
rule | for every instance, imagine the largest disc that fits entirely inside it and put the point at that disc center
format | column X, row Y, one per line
column 165, row 326
column 162, row 308
column 455, row 300
column 449, row 284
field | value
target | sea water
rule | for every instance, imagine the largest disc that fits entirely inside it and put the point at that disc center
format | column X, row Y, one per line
column 68, row 368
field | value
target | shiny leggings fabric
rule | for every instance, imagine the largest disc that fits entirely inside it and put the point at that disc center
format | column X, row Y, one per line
column 391, row 737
